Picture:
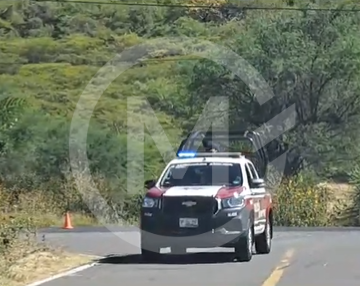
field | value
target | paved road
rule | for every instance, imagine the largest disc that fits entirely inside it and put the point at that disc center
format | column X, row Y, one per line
column 319, row 258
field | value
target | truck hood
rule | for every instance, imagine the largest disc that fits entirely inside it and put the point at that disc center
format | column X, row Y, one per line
column 206, row 191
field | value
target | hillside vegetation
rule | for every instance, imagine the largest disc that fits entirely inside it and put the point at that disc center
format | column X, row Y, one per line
column 173, row 59
column 51, row 51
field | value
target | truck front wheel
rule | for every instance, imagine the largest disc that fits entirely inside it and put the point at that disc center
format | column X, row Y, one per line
column 150, row 255
column 243, row 248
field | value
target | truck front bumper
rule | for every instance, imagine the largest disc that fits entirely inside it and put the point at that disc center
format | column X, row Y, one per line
column 219, row 230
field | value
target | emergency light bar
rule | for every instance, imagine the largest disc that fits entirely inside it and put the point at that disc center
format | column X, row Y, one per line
column 186, row 154
column 210, row 154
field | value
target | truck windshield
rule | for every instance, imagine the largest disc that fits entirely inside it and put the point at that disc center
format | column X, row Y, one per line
column 202, row 174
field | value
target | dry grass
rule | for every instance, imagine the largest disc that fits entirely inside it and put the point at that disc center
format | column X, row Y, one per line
column 40, row 265
column 22, row 259
column 44, row 208
column 22, row 212
column 340, row 190
column 341, row 194
column 47, row 219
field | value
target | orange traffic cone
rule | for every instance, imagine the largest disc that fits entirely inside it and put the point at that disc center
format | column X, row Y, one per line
column 67, row 223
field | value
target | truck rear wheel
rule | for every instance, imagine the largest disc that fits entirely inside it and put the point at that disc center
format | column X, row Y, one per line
column 263, row 241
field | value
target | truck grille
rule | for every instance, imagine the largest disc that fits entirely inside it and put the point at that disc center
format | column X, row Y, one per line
column 189, row 205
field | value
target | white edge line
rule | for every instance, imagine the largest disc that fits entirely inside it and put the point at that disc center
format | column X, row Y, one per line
column 63, row 274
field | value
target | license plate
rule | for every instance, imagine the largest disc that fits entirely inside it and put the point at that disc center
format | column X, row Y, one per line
column 188, row 222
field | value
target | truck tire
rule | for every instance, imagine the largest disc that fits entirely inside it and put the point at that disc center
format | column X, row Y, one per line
column 150, row 251
column 150, row 255
column 263, row 241
column 243, row 248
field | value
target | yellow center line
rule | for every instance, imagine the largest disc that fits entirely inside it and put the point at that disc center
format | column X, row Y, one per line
column 278, row 272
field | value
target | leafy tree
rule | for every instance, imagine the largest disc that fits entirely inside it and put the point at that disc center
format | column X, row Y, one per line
column 308, row 60
column 10, row 108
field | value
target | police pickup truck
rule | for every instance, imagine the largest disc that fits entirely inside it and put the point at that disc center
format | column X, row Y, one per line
column 204, row 200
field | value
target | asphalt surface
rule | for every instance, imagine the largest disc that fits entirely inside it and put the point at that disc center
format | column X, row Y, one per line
column 321, row 257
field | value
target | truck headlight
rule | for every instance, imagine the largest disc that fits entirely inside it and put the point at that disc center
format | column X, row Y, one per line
column 149, row 202
column 233, row 202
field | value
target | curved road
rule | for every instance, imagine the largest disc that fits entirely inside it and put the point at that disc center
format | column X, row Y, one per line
column 299, row 257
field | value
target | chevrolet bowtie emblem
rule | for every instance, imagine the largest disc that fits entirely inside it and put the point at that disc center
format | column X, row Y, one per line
column 189, row 203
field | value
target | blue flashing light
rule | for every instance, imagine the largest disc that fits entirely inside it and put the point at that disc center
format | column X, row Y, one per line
column 186, row 154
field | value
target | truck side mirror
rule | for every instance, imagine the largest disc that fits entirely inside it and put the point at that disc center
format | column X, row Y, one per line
column 257, row 183
column 150, row 183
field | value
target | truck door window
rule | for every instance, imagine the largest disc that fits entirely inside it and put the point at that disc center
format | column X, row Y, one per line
column 248, row 173
column 253, row 171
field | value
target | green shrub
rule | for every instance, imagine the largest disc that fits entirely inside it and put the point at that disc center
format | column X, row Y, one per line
column 299, row 202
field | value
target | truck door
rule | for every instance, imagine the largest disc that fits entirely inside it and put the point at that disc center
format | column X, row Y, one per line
column 258, row 195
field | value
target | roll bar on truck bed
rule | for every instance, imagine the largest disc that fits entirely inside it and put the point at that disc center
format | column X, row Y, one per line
column 222, row 141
